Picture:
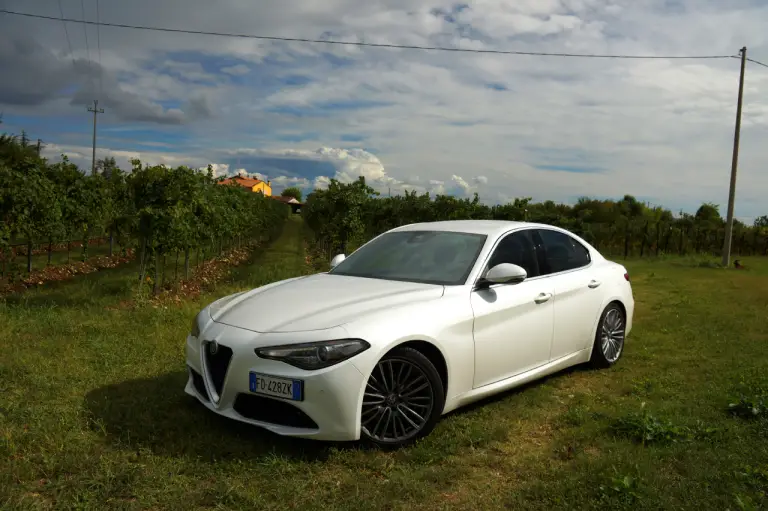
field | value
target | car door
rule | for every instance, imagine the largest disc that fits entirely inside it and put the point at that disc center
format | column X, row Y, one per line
column 577, row 290
column 513, row 322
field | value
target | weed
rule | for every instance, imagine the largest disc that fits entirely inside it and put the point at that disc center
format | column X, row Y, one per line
column 755, row 479
column 646, row 429
column 642, row 386
column 575, row 415
column 620, row 491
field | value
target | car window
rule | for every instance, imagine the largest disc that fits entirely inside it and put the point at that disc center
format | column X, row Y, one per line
column 431, row 257
column 516, row 248
column 562, row 252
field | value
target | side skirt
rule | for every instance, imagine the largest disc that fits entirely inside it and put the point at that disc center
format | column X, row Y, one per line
column 515, row 381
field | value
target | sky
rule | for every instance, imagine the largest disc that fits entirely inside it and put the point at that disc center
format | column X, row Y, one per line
column 501, row 126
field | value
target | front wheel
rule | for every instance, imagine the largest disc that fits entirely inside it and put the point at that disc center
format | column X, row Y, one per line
column 404, row 398
column 609, row 338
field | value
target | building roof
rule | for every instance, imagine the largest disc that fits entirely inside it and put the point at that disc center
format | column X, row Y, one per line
column 242, row 181
column 287, row 200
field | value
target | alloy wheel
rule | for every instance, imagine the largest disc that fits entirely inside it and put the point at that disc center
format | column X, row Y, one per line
column 398, row 401
column 612, row 335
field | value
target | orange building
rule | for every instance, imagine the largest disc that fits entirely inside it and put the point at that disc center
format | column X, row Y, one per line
column 256, row 185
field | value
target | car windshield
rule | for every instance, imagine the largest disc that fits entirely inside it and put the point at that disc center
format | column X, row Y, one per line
column 430, row 257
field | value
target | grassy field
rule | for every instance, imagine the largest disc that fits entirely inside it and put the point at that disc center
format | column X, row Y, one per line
column 93, row 415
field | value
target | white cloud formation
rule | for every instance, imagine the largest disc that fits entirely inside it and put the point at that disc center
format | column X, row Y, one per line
column 349, row 165
column 501, row 126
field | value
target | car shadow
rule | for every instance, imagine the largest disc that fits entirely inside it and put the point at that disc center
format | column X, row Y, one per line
column 155, row 414
column 501, row 396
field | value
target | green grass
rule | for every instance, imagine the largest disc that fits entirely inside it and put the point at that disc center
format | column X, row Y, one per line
column 93, row 415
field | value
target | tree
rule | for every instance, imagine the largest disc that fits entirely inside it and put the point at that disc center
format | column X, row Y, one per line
column 624, row 226
column 106, row 166
column 292, row 191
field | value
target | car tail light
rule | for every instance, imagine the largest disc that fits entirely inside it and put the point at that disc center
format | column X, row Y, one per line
column 626, row 277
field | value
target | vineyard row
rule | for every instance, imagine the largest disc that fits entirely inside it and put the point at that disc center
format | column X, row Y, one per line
column 348, row 214
column 155, row 210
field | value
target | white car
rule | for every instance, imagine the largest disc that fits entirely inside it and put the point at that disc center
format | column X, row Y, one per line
column 419, row 321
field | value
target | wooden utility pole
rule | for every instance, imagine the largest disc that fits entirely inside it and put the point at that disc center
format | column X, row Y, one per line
column 734, row 165
column 96, row 110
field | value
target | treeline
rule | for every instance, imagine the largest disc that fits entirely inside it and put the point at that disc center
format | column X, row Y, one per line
column 154, row 211
column 346, row 215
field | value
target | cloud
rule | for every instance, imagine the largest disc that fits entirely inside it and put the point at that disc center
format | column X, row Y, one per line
column 238, row 70
column 81, row 156
column 36, row 76
column 503, row 126
column 315, row 168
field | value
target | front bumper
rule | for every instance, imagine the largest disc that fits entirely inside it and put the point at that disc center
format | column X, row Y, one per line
column 332, row 396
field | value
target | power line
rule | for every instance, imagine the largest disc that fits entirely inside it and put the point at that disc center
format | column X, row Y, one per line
column 66, row 33
column 751, row 60
column 373, row 45
column 757, row 62
column 85, row 31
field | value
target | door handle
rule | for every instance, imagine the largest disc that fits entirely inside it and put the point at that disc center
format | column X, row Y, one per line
column 543, row 297
column 594, row 283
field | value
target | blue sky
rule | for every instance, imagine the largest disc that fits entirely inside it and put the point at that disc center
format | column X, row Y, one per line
column 499, row 126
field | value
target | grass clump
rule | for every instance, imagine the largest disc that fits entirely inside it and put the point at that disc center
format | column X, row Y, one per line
column 646, row 428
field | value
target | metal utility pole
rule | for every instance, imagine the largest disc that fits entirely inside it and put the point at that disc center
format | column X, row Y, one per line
column 734, row 165
column 96, row 110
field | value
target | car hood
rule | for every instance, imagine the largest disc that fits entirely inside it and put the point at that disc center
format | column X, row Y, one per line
column 316, row 302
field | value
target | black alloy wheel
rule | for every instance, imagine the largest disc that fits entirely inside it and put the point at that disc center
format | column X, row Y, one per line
column 403, row 400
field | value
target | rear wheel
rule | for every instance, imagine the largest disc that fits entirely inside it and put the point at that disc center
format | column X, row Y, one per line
column 609, row 338
column 404, row 398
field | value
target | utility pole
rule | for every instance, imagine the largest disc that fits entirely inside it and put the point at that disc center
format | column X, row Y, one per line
column 734, row 165
column 96, row 111
column 38, row 146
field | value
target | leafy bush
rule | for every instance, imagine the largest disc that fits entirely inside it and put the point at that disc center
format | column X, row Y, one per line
column 348, row 214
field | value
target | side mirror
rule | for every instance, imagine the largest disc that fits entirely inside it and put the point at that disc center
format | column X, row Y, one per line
column 506, row 273
column 337, row 259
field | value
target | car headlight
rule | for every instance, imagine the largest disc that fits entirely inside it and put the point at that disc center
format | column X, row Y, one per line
column 195, row 331
column 314, row 355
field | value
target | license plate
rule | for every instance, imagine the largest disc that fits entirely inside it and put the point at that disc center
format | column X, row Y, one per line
column 285, row 388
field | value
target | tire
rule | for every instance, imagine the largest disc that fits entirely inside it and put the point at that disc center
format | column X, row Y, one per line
column 404, row 399
column 610, row 337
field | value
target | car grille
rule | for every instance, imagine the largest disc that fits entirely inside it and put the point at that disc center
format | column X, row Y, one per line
column 217, row 365
column 197, row 381
column 273, row 411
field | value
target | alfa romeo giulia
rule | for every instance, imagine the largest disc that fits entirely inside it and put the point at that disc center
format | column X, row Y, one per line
column 419, row 321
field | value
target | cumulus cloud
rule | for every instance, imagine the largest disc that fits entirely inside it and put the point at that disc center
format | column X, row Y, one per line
column 501, row 126
column 81, row 156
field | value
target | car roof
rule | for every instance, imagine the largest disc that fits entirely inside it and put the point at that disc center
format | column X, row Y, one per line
column 488, row 227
